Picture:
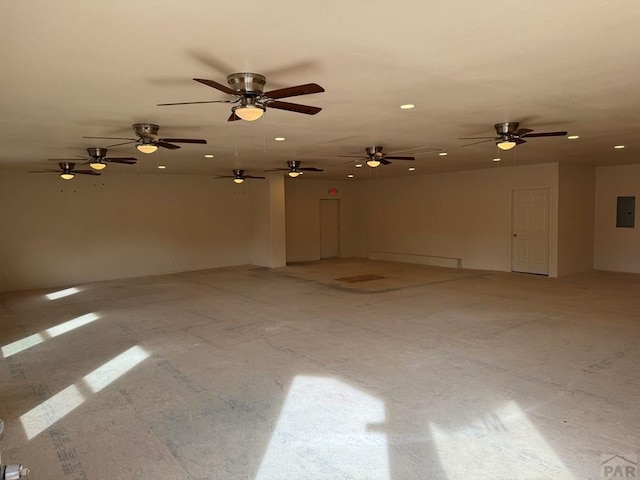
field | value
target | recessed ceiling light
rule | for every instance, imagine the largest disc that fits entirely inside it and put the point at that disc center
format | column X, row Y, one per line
column 162, row 167
column 618, row 146
column 573, row 137
column 496, row 159
column 443, row 154
column 358, row 165
column 411, row 169
column 279, row 139
column 407, row 106
column 209, row 155
column 350, row 175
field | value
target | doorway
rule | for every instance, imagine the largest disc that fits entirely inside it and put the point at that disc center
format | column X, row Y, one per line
column 530, row 231
column 329, row 228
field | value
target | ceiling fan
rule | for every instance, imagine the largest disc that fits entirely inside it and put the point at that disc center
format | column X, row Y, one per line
column 375, row 157
column 295, row 169
column 148, row 140
column 509, row 135
column 238, row 176
column 252, row 101
column 98, row 159
column 67, row 171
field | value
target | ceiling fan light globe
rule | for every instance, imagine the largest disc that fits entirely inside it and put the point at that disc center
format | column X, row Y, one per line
column 506, row 145
column 373, row 163
column 146, row 148
column 67, row 176
column 294, row 174
column 97, row 165
column 249, row 113
column 238, row 180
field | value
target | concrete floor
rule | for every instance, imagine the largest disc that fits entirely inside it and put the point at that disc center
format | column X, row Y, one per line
column 290, row 374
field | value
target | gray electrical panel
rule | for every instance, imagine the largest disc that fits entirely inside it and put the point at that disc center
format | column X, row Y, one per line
column 626, row 212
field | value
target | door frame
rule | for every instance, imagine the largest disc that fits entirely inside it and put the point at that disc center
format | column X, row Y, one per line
column 549, row 225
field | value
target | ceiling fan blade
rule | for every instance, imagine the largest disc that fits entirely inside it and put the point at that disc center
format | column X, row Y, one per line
column 224, row 176
column 293, row 107
column 233, row 117
column 112, row 138
column 251, row 176
column 384, row 161
column 545, row 134
column 127, row 161
column 50, row 170
column 522, row 131
column 183, row 140
column 475, row 138
column 170, row 146
column 192, row 103
column 520, row 141
column 306, row 89
column 311, row 169
column 350, row 156
column 85, row 172
column 391, row 157
column 119, row 144
column 216, row 85
column 65, row 159
column 278, row 170
column 476, row 143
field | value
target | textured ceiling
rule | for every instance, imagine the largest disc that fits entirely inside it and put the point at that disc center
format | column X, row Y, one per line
column 72, row 69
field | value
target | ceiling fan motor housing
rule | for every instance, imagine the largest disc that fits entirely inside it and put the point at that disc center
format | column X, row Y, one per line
column 145, row 129
column 506, row 128
column 375, row 151
column 252, row 83
column 97, row 152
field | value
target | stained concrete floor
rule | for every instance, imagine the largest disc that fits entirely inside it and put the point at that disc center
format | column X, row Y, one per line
column 288, row 373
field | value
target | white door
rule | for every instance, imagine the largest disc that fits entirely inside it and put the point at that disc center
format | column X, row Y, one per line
column 530, row 231
column 329, row 228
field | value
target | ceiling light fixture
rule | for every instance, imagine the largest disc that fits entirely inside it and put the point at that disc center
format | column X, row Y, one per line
column 162, row 167
column 443, row 154
column 248, row 109
column 373, row 163
column 350, row 175
column 209, row 155
column 67, row 175
column 97, row 164
column 506, row 144
column 358, row 165
column 407, row 106
column 279, row 139
column 411, row 169
column 238, row 180
column 146, row 148
column 573, row 137
column 619, row 146
column 496, row 159
column 294, row 173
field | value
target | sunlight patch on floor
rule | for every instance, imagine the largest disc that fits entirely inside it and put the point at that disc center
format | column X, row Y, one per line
column 504, row 444
column 327, row 430
column 62, row 293
column 37, row 338
column 55, row 408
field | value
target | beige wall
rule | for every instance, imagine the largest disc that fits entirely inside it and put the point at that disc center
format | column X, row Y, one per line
column 576, row 203
column 58, row 233
column 616, row 249
column 268, row 246
column 302, row 207
column 463, row 215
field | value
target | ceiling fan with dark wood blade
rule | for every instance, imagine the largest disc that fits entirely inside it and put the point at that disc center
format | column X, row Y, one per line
column 251, row 99
column 67, row 171
column 295, row 169
column 376, row 157
column 98, row 159
column 238, row 176
column 148, row 140
column 509, row 135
